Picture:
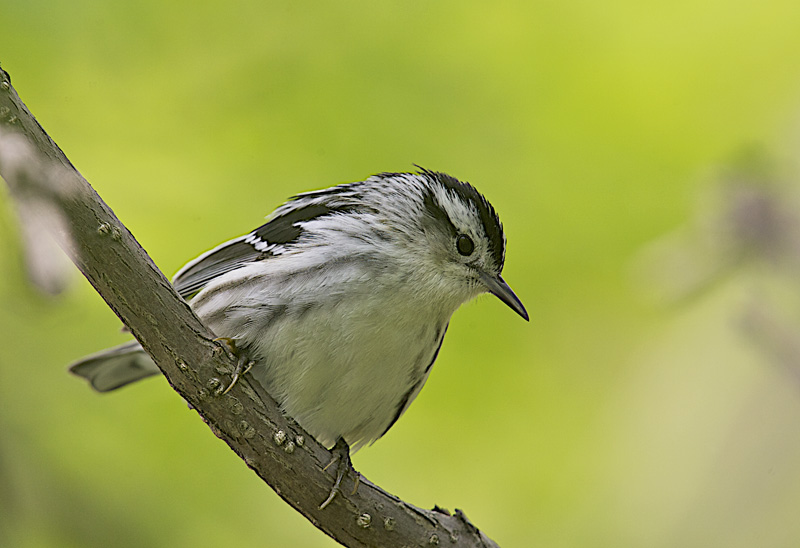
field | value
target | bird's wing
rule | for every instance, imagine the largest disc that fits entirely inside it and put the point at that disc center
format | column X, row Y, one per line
column 226, row 257
column 283, row 229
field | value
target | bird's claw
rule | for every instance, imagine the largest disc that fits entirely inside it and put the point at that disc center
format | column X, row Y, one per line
column 341, row 456
column 243, row 364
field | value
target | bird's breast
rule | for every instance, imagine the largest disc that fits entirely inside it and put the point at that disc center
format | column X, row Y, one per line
column 349, row 367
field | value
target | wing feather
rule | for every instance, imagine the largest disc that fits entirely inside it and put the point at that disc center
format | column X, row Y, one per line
column 271, row 238
column 222, row 259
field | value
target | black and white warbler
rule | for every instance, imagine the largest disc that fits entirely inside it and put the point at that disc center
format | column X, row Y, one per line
column 341, row 300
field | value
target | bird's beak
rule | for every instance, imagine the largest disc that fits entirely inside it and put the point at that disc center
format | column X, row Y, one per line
column 499, row 288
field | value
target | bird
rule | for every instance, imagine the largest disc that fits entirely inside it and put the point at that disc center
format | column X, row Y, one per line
column 338, row 305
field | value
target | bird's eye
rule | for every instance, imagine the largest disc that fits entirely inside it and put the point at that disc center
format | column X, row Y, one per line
column 465, row 245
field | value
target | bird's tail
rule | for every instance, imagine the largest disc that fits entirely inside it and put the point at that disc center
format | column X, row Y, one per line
column 115, row 367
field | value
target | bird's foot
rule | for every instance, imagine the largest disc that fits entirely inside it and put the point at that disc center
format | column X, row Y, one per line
column 341, row 456
column 243, row 363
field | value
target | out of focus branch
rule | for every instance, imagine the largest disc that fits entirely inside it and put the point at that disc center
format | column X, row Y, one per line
column 247, row 419
column 746, row 227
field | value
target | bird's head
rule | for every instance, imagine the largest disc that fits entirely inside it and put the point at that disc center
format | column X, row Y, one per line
column 452, row 231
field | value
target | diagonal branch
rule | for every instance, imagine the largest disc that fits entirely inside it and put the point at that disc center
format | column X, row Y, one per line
column 41, row 177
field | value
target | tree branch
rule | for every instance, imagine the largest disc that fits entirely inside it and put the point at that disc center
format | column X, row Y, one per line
column 247, row 419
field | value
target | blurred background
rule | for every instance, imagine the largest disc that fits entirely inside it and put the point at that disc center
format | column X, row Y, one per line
column 642, row 156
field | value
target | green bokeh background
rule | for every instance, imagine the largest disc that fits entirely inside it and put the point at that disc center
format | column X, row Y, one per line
column 592, row 126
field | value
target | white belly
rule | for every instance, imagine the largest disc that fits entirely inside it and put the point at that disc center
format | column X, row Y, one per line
column 347, row 368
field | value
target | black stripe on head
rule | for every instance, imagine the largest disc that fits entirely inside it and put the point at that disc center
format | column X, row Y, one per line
column 489, row 219
column 438, row 214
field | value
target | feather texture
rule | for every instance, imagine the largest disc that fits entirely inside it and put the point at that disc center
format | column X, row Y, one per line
column 342, row 298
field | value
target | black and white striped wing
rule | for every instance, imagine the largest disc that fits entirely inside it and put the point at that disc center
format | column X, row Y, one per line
column 222, row 259
column 270, row 239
